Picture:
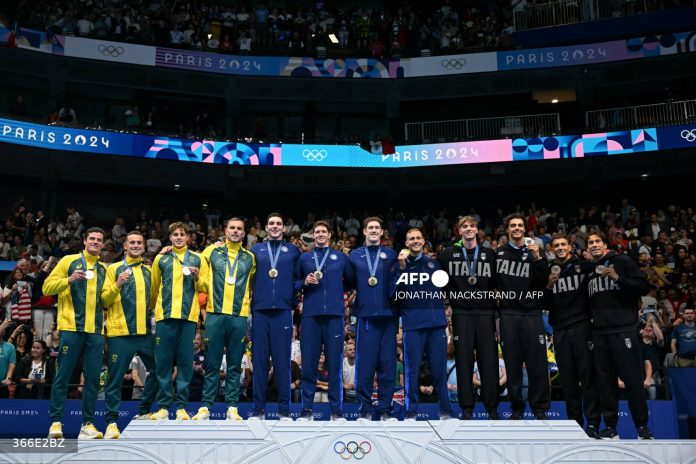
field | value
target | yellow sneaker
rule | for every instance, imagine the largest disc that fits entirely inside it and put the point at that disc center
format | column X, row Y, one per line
column 181, row 414
column 56, row 430
column 112, row 432
column 202, row 414
column 89, row 432
column 162, row 414
column 233, row 414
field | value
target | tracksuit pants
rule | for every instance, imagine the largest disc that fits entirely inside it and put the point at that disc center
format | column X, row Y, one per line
column 523, row 340
column 271, row 334
column 121, row 350
column 476, row 334
column 74, row 345
column 174, row 340
column 327, row 331
column 224, row 335
column 618, row 356
column 433, row 342
column 375, row 351
column 576, row 366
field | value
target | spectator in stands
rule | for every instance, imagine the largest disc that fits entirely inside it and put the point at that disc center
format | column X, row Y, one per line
column 8, row 361
column 322, row 393
column 196, row 385
column 652, row 341
column 16, row 296
column 349, row 395
column 22, row 340
column 18, row 108
column 684, row 340
column 43, row 306
column 34, row 374
column 67, row 115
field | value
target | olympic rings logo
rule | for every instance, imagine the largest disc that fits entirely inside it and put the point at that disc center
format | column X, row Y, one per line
column 689, row 135
column 454, row 63
column 352, row 449
column 107, row 50
column 315, row 155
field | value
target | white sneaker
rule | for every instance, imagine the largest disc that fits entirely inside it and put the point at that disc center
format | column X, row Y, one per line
column 142, row 416
column 233, row 414
column 89, row 432
column 56, row 430
column 112, row 432
column 181, row 414
column 202, row 414
column 162, row 414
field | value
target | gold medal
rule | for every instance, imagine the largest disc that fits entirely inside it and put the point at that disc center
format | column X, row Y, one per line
column 372, row 281
column 318, row 275
column 273, row 273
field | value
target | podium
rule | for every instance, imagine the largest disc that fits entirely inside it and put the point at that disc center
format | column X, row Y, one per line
column 424, row 442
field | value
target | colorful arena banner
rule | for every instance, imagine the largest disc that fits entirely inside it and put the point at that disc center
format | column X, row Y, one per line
column 203, row 61
column 100, row 142
column 617, row 50
column 29, row 418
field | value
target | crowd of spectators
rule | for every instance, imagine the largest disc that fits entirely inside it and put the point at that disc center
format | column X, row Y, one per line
column 661, row 242
column 263, row 28
column 415, row 28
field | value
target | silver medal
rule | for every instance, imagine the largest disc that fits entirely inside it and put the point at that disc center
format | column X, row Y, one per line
column 528, row 241
column 600, row 269
column 230, row 280
column 186, row 271
column 89, row 274
column 555, row 269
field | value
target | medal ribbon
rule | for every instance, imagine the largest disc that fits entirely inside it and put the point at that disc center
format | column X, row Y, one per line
column 471, row 267
column 186, row 256
column 372, row 265
column 274, row 256
column 320, row 266
column 84, row 261
column 231, row 268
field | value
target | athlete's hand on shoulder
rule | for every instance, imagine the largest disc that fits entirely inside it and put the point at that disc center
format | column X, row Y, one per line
column 165, row 250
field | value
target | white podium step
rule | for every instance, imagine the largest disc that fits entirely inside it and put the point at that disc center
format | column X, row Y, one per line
column 422, row 442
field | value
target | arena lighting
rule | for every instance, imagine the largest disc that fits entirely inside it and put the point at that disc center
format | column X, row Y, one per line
column 644, row 175
column 555, row 100
column 333, row 38
column 210, row 36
